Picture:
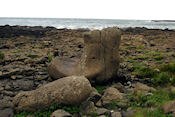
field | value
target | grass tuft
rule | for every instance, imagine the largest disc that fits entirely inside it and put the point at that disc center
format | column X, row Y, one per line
column 2, row 56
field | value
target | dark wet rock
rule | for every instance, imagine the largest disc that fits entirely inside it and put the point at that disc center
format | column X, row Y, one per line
column 15, row 31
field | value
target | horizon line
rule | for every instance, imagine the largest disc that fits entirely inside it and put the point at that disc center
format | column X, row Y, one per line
column 74, row 18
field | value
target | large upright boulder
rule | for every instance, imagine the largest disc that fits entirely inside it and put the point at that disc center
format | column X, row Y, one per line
column 99, row 62
column 69, row 90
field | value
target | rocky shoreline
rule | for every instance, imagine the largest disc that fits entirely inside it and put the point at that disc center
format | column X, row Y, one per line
column 25, row 53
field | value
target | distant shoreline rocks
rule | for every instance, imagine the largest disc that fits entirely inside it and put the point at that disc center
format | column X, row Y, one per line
column 163, row 20
column 7, row 31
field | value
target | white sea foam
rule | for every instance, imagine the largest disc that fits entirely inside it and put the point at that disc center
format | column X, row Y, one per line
column 85, row 23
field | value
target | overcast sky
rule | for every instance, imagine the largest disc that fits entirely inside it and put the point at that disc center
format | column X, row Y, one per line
column 105, row 9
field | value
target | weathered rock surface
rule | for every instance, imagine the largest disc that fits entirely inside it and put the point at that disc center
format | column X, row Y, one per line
column 169, row 107
column 111, row 95
column 87, row 107
column 7, row 112
column 129, row 112
column 99, row 62
column 143, row 88
column 116, row 114
column 102, row 111
column 60, row 113
column 69, row 90
column 6, row 102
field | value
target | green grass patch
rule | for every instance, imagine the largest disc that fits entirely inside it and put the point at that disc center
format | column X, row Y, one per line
column 33, row 47
column 168, row 67
column 93, row 115
column 150, row 113
column 159, row 57
column 140, row 46
column 33, row 56
column 165, row 74
column 143, row 71
column 143, row 57
column 113, row 105
column 50, row 58
column 130, row 59
column 128, row 47
column 99, row 88
column 2, row 56
column 158, row 98
column 18, row 50
column 163, row 78
column 150, row 106
column 156, row 55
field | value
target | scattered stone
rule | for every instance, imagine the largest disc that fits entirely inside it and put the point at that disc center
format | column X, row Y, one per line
column 122, row 105
column 94, row 96
column 129, row 112
column 87, row 107
column 110, row 95
column 0, row 73
column 119, row 86
column 128, row 90
column 30, row 116
column 1, row 88
column 156, row 70
column 102, row 111
column 60, row 113
column 143, row 88
column 76, row 115
column 71, row 90
column 102, row 116
column 172, row 89
column 99, row 103
column 169, row 107
column 116, row 114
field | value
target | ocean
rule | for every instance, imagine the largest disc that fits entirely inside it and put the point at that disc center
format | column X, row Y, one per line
column 72, row 23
